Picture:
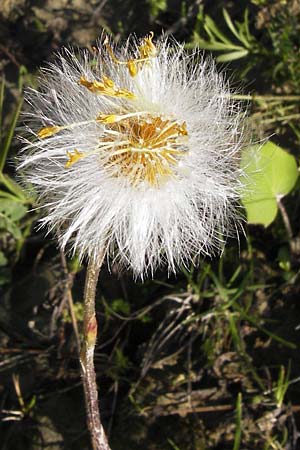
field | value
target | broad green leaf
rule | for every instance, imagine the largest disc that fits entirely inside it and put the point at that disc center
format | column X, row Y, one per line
column 270, row 174
column 14, row 210
column 11, row 227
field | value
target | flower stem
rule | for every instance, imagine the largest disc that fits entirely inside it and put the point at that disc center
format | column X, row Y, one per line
column 98, row 437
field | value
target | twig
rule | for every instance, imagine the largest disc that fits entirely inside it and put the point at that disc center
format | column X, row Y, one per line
column 97, row 12
column 191, row 13
column 193, row 409
column 183, row 411
column 285, row 218
column 9, row 55
column 98, row 437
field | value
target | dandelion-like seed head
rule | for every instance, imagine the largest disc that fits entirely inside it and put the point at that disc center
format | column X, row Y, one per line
column 135, row 150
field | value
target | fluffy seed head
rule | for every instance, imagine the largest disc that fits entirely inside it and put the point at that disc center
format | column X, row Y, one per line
column 135, row 150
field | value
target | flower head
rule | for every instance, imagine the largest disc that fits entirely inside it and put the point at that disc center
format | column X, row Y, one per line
column 135, row 150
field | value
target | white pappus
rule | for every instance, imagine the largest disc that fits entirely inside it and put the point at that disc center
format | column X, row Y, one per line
column 135, row 150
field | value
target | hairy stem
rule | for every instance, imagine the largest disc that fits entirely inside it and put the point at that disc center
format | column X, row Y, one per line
column 98, row 437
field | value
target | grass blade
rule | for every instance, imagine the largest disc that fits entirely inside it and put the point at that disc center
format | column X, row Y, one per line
column 212, row 30
column 2, row 86
column 230, row 24
column 173, row 445
column 9, row 136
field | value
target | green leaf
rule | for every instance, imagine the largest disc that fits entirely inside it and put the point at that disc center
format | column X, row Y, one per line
column 120, row 306
column 284, row 258
column 120, row 359
column 242, row 33
column 230, row 24
column 10, row 213
column 206, row 45
column 270, row 174
column 218, row 46
column 157, row 6
column 4, row 194
column 232, row 56
column 7, row 224
column 13, row 210
column 212, row 30
column 12, row 186
column 246, row 23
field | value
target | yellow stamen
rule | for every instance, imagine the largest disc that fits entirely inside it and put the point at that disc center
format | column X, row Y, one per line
column 148, row 49
column 112, row 118
column 108, row 83
column 145, row 148
column 132, row 67
column 48, row 131
column 106, row 87
column 73, row 158
column 183, row 130
column 106, row 118
column 110, row 51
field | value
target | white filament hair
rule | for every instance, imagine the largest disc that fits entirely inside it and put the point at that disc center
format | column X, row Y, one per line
column 142, row 227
